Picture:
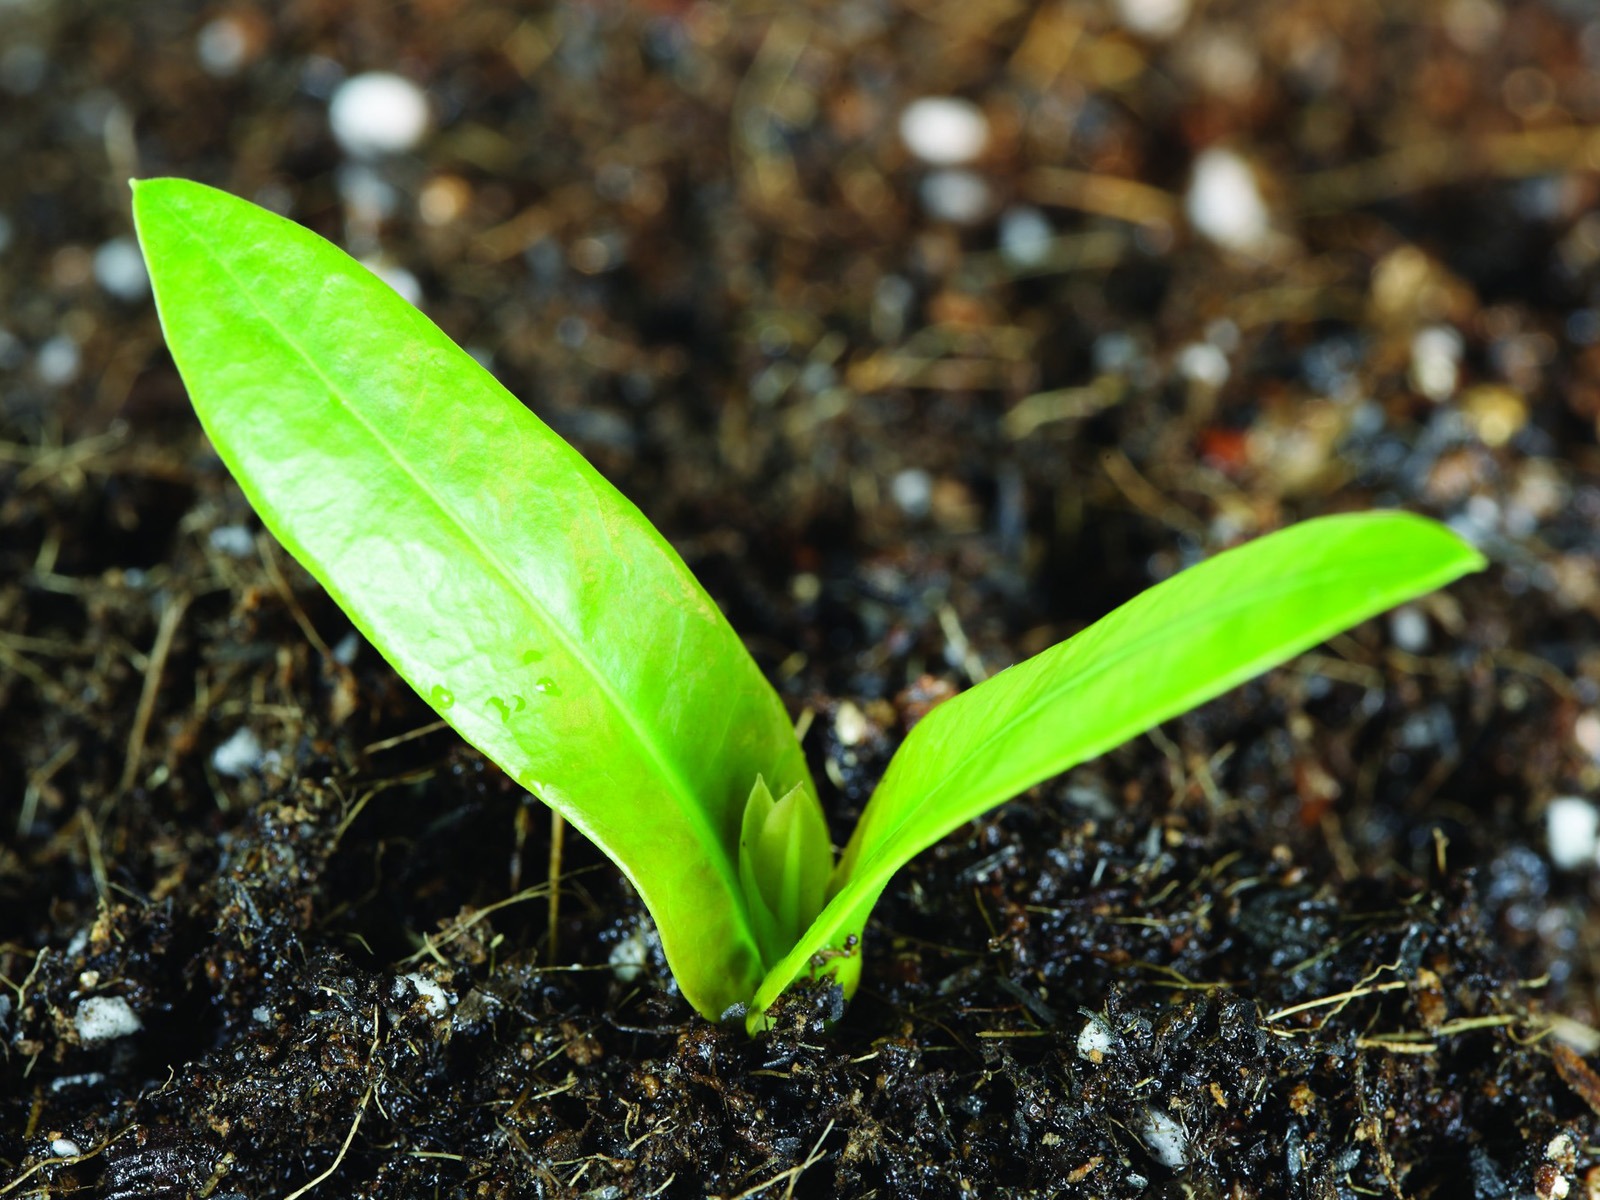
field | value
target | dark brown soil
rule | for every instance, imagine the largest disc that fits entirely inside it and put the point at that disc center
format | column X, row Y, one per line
column 1307, row 942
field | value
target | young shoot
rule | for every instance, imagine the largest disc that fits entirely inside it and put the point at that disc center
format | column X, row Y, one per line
column 785, row 860
column 548, row 621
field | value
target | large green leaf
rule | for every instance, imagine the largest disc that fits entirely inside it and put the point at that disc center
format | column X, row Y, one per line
column 1177, row 645
column 498, row 572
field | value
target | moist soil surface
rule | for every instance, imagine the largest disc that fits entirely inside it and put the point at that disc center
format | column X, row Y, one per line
column 266, row 926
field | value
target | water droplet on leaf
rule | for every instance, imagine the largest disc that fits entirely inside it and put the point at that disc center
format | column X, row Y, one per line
column 441, row 697
column 547, row 686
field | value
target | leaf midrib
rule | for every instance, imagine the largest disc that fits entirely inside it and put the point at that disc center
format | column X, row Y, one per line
column 670, row 772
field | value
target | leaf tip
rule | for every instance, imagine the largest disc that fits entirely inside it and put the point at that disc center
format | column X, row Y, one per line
column 147, row 189
column 148, row 195
column 171, row 192
column 1468, row 558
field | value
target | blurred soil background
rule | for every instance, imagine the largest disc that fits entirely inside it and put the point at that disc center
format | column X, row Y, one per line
column 928, row 333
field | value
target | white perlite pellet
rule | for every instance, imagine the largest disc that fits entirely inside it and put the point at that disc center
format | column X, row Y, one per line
column 1153, row 18
column 630, row 956
column 1025, row 236
column 1165, row 1138
column 1224, row 201
column 945, row 131
column 1409, row 629
column 1436, row 361
column 119, row 270
column 954, row 195
column 1572, row 832
column 912, row 490
column 58, row 361
column 1095, row 1041
column 434, row 998
column 378, row 113
column 104, row 1019
column 239, row 755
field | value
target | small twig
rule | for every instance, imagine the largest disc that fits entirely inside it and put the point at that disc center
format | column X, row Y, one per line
column 764, row 170
column 1537, row 668
column 431, row 944
column 803, row 723
column 41, row 679
column 401, row 738
column 884, row 371
column 1338, row 669
column 1146, row 497
column 1032, row 412
column 270, row 562
column 22, row 988
column 814, row 1157
column 156, row 664
column 1379, row 1042
column 46, row 461
column 1112, row 196
column 51, row 647
column 571, row 1082
column 950, row 626
column 352, row 810
column 36, row 783
column 1341, row 999
column 1177, row 980
column 558, row 830
column 1174, row 756
column 666, row 1126
column 1408, row 1041
column 97, row 860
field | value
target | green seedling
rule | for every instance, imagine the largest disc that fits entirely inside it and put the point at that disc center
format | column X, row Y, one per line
column 549, row 622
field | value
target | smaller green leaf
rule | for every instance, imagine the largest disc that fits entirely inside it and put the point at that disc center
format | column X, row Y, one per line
column 1170, row 648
